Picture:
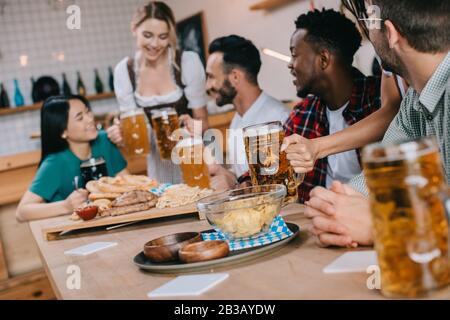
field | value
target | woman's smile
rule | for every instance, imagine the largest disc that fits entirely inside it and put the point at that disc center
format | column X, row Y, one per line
column 152, row 51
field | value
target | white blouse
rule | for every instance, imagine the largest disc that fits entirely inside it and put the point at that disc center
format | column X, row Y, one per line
column 192, row 77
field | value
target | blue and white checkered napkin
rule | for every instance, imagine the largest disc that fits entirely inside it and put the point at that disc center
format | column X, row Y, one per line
column 278, row 231
column 159, row 190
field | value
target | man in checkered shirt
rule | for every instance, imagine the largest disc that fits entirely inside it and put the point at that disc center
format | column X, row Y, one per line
column 336, row 95
column 414, row 42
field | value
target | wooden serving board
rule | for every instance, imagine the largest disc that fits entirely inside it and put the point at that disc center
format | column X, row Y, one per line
column 64, row 224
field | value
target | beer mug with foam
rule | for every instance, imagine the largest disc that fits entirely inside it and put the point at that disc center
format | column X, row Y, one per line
column 193, row 167
column 165, row 122
column 408, row 196
column 267, row 164
column 135, row 134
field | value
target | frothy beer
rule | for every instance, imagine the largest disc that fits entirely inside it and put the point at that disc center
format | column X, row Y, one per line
column 135, row 134
column 165, row 122
column 267, row 164
column 193, row 167
column 406, row 190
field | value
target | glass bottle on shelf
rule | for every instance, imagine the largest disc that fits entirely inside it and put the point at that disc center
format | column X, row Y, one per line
column 98, row 82
column 33, row 94
column 111, row 79
column 65, row 86
column 81, row 89
column 4, row 99
column 18, row 97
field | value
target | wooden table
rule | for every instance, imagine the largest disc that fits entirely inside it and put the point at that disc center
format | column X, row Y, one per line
column 292, row 272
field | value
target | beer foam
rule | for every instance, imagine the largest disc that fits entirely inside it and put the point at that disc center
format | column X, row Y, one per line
column 406, row 151
column 255, row 132
column 131, row 113
column 92, row 162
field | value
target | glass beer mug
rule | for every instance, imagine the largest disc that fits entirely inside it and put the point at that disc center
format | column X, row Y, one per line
column 135, row 133
column 165, row 122
column 267, row 164
column 93, row 169
column 193, row 167
column 408, row 195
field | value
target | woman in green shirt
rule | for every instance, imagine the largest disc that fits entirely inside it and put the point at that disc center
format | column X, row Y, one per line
column 68, row 137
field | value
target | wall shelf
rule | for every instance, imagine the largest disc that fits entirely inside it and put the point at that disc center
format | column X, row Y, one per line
column 37, row 106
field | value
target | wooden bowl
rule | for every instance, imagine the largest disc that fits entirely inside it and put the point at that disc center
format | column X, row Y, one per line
column 203, row 251
column 166, row 248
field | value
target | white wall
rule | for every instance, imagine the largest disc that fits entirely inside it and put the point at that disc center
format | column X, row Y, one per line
column 270, row 29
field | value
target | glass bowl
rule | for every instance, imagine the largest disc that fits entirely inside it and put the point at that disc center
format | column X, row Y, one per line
column 244, row 212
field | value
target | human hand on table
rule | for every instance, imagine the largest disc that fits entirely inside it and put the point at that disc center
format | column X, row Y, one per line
column 301, row 152
column 340, row 216
column 76, row 199
column 115, row 134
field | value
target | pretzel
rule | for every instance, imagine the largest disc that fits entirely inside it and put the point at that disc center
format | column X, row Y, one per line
column 143, row 181
column 122, row 184
column 110, row 196
column 111, row 188
column 92, row 186
column 106, row 189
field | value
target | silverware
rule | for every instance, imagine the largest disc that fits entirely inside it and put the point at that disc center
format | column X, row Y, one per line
column 75, row 182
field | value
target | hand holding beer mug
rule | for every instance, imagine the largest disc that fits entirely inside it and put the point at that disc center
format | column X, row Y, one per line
column 165, row 122
column 406, row 190
column 192, row 164
column 268, row 165
column 135, row 134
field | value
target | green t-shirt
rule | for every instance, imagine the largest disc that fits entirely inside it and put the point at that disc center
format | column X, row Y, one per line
column 54, row 178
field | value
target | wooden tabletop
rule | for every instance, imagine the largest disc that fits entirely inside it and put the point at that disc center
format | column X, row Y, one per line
column 292, row 272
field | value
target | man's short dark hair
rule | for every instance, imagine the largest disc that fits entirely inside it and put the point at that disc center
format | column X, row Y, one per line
column 424, row 24
column 238, row 52
column 331, row 30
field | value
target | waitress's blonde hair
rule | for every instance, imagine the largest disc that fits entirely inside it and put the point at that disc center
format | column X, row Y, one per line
column 160, row 11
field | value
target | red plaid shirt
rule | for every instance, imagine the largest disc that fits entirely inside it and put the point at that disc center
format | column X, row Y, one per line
column 309, row 119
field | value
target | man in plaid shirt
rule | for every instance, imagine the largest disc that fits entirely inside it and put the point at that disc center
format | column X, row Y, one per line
column 336, row 95
column 309, row 119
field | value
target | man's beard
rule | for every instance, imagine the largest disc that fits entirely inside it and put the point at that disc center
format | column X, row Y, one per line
column 303, row 92
column 306, row 89
column 389, row 60
column 226, row 94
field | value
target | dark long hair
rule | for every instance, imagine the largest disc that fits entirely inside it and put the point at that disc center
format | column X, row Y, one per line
column 54, row 117
column 358, row 9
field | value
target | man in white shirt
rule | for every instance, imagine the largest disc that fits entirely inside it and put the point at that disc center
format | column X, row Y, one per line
column 232, row 71
column 345, row 165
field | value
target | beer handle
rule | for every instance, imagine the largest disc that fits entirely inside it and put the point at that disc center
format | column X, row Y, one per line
column 299, row 177
column 184, row 132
